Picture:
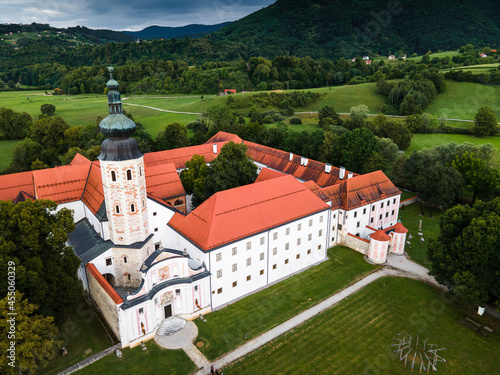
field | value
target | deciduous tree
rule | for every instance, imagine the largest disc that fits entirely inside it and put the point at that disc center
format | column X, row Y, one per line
column 485, row 122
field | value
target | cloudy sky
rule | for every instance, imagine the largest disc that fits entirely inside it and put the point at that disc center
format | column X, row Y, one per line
column 126, row 14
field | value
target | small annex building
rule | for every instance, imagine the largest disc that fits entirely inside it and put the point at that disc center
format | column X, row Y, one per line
column 145, row 256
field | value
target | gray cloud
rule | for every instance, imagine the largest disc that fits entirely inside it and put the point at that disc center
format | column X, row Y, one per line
column 132, row 15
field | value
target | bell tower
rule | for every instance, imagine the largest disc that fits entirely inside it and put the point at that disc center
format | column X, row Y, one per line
column 123, row 176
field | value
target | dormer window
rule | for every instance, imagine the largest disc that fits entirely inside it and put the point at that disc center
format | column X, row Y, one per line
column 113, row 176
column 129, row 174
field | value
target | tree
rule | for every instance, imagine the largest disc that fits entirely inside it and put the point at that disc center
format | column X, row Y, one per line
column 24, row 154
column 50, row 133
column 358, row 115
column 398, row 132
column 485, row 122
column 477, row 177
column 34, row 236
column 465, row 256
column 221, row 119
column 36, row 339
column 174, row 136
column 354, row 148
column 328, row 116
column 439, row 186
column 193, row 178
column 48, row 109
column 14, row 125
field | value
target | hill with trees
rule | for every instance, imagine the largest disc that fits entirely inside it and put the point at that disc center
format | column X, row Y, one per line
column 334, row 28
column 165, row 32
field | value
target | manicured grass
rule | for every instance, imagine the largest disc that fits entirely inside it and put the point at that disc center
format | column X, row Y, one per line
column 226, row 329
column 440, row 55
column 407, row 194
column 410, row 217
column 463, row 100
column 80, row 330
column 355, row 337
column 135, row 361
column 420, row 141
column 6, row 149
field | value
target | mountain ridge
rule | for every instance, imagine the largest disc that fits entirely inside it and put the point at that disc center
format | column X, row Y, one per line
column 169, row 32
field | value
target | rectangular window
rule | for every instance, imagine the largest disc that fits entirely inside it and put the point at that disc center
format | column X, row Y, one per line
column 235, row 283
column 357, row 234
column 364, row 211
column 235, row 251
column 334, row 216
column 373, row 208
column 355, row 214
column 298, row 256
column 157, row 246
column 235, row 267
column 218, row 257
column 380, row 217
column 287, row 231
column 275, row 251
column 219, row 291
column 141, row 310
column 261, row 272
column 309, row 251
column 299, row 226
column 156, row 229
column 394, row 201
column 298, row 241
column 286, row 261
column 387, row 214
column 154, row 213
column 219, row 274
column 388, row 203
column 249, row 277
column 392, row 213
column 275, row 236
column 320, row 233
column 382, row 205
column 262, row 240
column 108, row 262
column 321, row 219
column 261, row 256
column 249, row 261
column 340, row 226
column 371, row 220
column 178, row 292
column 274, row 266
column 309, row 237
column 249, row 245
column 319, row 247
column 357, row 224
column 310, row 223
column 196, row 288
column 287, row 246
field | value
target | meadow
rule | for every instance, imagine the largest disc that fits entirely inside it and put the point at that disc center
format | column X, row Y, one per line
column 356, row 335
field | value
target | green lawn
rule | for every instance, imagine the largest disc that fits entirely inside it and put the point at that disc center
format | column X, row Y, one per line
column 6, row 149
column 462, row 100
column 226, row 329
column 420, row 141
column 355, row 337
column 440, row 55
column 475, row 69
column 80, row 330
column 135, row 361
column 410, row 217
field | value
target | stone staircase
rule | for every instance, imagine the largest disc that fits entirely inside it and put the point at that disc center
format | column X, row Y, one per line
column 170, row 326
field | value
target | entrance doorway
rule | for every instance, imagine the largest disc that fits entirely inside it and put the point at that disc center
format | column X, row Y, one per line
column 168, row 311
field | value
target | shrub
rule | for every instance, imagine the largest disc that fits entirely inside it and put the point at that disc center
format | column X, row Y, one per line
column 295, row 121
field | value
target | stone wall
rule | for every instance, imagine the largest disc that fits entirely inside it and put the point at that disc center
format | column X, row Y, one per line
column 108, row 307
column 135, row 259
column 408, row 201
column 356, row 243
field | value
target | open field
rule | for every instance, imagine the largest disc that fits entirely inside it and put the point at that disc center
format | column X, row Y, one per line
column 6, row 149
column 355, row 336
column 462, row 100
column 80, row 330
column 475, row 69
column 410, row 217
column 226, row 329
column 440, row 55
column 154, row 360
column 420, row 141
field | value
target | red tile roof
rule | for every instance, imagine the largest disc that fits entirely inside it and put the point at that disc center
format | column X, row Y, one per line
column 105, row 285
column 313, row 186
column 13, row 184
column 280, row 161
column 163, row 181
column 241, row 212
column 268, row 174
column 380, row 235
column 93, row 195
column 224, row 137
column 180, row 156
column 365, row 189
column 399, row 228
column 61, row 184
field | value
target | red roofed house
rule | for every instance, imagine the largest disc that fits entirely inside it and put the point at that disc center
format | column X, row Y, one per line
column 146, row 258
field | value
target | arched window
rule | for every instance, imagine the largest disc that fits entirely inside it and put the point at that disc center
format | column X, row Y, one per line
column 125, row 259
column 127, row 275
column 113, row 176
column 129, row 174
column 117, row 209
column 140, row 171
column 132, row 208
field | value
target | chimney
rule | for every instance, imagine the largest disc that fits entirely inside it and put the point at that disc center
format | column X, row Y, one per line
column 215, row 148
column 291, row 156
column 306, row 161
column 350, row 175
column 328, row 168
column 341, row 173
